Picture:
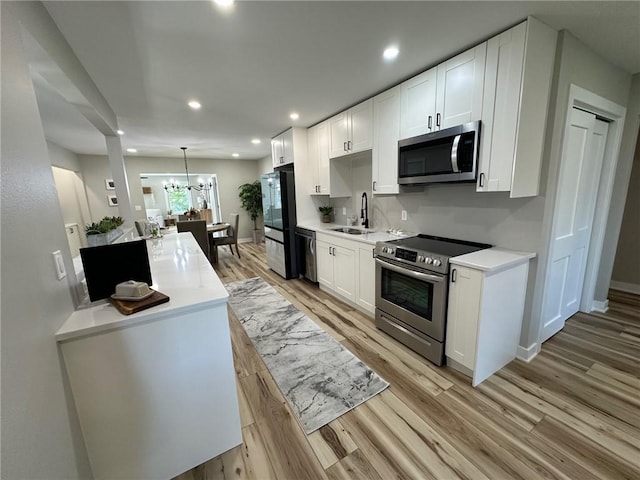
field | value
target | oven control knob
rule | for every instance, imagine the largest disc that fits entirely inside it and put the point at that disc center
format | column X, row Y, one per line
column 436, row 262
column 428, row 260
column 420, row 258
column 390, row 250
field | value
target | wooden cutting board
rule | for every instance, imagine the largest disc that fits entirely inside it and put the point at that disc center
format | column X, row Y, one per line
column 128, row 306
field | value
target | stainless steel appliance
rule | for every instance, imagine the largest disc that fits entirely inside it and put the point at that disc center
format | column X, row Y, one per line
column 449, row 155
column 279, row 210
column 307, row 253
column 412, row 281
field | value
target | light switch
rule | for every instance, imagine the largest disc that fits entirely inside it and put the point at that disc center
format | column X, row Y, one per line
column 61, row 272
column 138, row 208
column 404, row 214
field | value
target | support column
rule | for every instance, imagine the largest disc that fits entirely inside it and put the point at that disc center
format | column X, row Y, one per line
column 116, row 162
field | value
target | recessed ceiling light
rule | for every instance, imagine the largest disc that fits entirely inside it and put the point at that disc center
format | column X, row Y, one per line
column 131, row 150
column 235, row 155
column 195, row 104
column 224, row 3
column 390, row 53
column 294, row 116
column 120, row 132
column 255, row 141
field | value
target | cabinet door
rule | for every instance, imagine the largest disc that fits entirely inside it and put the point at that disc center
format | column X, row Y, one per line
column 360, row 120
column 324, row 263
column 277, row 151
column 338, row 135
column 460, row 88
column 310, row 178
column 465, row 288
column 323, row 159
column 287, row 147
column 344, row 267
column 503, row 79
column 366, row 278
column 418, row 106
column 386, row 128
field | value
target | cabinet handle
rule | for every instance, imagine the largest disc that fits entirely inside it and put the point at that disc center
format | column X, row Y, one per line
column 430, row 121
column 329, row 250
column 374, row 185
column 349, row 145
column 454, row 275
column 344, row 146
column 373, row 253
column 438, row 120
column 482, row 179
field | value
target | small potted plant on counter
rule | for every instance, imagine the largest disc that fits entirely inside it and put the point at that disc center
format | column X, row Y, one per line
column 326, row 211
column 103, row 232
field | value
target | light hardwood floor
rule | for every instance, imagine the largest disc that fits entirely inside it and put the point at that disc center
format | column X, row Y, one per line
column 572, row 413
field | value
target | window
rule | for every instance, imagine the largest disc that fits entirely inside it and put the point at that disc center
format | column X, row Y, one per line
column 178, row 201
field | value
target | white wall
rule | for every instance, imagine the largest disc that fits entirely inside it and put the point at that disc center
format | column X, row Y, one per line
column 40, row 434
column 95, row 170
column 265, row 165
column 63, row 158
column 72, row 197
column 230, row 173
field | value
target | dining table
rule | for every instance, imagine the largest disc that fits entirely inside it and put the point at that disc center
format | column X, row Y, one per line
column 217, row 227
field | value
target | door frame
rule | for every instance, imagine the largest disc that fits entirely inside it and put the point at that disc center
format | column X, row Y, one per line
column 615, row 115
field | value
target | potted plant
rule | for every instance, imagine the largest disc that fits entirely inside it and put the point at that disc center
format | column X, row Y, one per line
column 326, row 211
column 251, row 200
column 103, row 232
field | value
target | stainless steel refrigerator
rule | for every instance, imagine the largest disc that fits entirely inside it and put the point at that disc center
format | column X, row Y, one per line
column 279, row 210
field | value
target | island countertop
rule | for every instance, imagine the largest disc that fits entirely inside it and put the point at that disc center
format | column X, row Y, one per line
column 179, row 269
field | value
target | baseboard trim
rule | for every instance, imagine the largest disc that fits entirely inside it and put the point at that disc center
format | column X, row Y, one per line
column 598, row 306
column 625, row 287
column 529, row 353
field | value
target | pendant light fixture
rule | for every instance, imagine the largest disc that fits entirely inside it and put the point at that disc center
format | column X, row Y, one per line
column 176, row 187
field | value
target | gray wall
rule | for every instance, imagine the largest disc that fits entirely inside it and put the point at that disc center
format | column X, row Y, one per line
column 230, row 173
column 40, row 434
column 626, row 269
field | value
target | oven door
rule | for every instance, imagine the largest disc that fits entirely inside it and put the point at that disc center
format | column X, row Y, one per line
column 414, row 297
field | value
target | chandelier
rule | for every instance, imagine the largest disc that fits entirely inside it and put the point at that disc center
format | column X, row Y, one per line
column 176, row 187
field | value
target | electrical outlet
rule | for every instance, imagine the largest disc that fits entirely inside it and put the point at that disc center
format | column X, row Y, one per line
column 404, row 214
column 344, row 210
column 59, row 264
column 138, row 208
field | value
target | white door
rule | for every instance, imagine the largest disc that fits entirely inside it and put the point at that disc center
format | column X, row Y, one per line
column 361, row 127
column 386, row 127
column 338, row 135
column 580, row 169
column 344, row 267
column 418, row 106
column 324, row 263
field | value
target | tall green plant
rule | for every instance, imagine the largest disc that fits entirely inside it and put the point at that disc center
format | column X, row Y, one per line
column 251, row 200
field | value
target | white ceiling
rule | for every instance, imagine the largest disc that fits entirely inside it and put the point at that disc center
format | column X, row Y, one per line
column 251, row 66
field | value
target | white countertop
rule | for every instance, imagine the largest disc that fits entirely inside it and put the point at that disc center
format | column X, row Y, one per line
column 492, row 259
column 179, row 269
column 371, row 237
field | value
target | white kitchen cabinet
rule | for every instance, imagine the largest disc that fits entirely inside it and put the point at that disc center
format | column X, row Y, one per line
column 336, row 266
column 518, row 75
column 288, row 145
column 351, row 131
column 366, row 289
column 444, row 96
column 327, row 179
column 487, row 291
column 386, row 132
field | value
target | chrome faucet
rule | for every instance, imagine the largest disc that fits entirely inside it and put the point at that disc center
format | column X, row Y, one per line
column 364, row 214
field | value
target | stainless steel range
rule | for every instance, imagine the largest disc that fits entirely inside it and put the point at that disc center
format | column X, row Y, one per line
column 412, row 284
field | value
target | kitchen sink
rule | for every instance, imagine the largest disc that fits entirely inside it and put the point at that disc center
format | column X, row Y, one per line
column 350, row 231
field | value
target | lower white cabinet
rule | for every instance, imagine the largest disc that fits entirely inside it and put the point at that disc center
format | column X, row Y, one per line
column 337, row 268
column 347, row 269
column 487, row 292
column 366, row 287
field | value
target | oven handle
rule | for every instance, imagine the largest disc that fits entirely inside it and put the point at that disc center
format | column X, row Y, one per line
column 411, row 273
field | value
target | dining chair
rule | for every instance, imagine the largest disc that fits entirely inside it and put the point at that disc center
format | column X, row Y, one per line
column 140, row 227
column 230, row 238
column 198, row 229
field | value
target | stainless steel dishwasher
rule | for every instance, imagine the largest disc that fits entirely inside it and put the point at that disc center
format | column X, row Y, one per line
column 306, row 240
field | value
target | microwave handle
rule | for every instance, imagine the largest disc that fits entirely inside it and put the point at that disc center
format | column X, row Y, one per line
column 454, row 154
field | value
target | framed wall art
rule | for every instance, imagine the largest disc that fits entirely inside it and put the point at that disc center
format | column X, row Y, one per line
column 108, row 182
column 113, row 201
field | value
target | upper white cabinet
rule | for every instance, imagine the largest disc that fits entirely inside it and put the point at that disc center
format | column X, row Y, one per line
column 352, row 130
column 445, row 96
column 335, row 181
column 518, row 75
column 386, row 132
column 289, row 144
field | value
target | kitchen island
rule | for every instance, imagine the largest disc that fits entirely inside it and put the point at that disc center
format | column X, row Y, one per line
column 155, row 391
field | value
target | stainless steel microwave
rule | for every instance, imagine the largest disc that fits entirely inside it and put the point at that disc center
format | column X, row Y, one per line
column 449, row 155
